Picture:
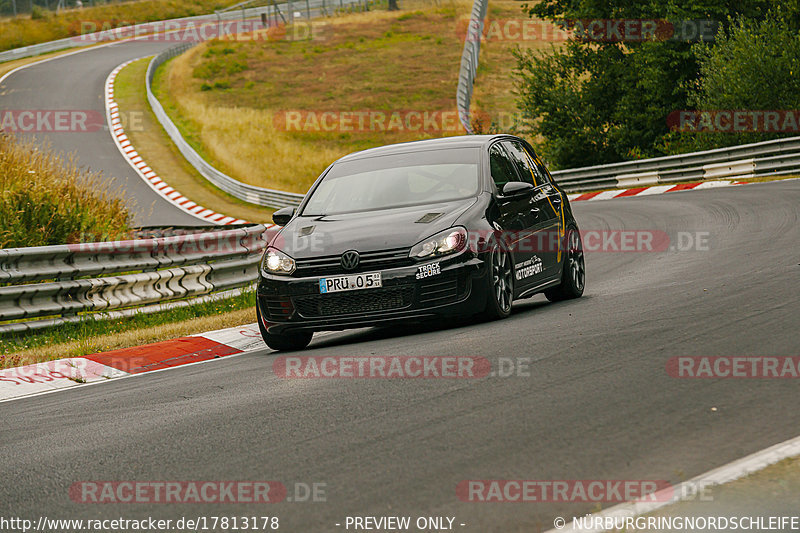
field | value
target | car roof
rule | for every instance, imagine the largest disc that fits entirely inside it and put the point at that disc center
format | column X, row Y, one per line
column 462, row 141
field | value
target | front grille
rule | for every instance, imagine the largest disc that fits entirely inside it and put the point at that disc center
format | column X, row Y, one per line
column 439, row 291
column 277, row 308
column 319, row 266
column 354, row 302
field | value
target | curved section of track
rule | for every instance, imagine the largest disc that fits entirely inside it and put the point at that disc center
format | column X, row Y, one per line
column 76, row 82
column 598, row 403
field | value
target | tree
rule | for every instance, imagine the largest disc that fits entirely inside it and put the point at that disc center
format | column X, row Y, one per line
column 754, row 66
column 393, row 5
column 595, row 102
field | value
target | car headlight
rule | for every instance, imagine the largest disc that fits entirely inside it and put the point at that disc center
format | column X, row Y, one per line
column 447, row 242
column 277, row 262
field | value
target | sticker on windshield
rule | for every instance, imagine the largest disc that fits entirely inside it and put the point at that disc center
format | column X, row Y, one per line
column 426, row 271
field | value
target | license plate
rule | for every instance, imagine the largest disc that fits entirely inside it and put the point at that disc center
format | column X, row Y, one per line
column 370, row 280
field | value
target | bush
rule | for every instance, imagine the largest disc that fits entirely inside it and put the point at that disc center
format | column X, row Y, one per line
column 602, row 102
column 39, row 13
column 754, row 65
column 44, row 200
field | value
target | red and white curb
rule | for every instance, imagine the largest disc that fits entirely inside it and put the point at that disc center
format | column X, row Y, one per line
column 657, row 189
column 143, row 170
column 63, row 373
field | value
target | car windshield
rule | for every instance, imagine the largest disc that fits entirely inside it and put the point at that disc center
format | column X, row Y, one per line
column 397, row 180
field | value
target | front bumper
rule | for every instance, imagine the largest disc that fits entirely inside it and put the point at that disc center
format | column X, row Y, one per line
column 294, row 304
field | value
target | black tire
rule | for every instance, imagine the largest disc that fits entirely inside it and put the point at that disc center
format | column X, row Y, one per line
column 573, row 274
column 287, row 342
column 500, row 284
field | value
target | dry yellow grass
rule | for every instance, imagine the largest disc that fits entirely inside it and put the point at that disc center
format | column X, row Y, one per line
column 259, row 148
column 359, row 65
column 24, row 30
column 493, row 97
column 45, row 199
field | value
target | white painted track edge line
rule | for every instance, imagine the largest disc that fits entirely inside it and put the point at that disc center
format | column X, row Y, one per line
column 59, row 56
column 726, row 473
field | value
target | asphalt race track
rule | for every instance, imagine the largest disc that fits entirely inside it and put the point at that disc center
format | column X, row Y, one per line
column 76, row 82
column 597, row 403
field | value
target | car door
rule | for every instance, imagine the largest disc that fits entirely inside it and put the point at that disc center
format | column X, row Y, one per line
column 516, row 217
column 546, row 205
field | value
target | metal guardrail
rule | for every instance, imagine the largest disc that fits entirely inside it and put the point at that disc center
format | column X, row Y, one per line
column 768, row 158
column 762, row 159
column 469, row 62
column 99, row 277
column 243, row 191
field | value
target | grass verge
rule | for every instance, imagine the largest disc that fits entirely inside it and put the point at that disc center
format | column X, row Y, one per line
column 769, row 492
column 386, row 62
column 161, row 154
column 75, row 340
column 377, row 61
column 45, row 200
column 494, row 99
column 48, row 26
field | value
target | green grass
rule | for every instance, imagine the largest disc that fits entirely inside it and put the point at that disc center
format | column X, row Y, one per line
column 169, row 102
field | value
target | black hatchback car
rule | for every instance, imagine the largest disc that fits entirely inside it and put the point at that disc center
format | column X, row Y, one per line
column 415, row 231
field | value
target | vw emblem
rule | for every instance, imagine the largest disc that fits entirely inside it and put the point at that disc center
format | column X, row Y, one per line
column 350, row 260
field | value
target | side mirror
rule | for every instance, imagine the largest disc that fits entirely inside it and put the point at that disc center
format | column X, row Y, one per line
column 515, row 189
column 282, row 216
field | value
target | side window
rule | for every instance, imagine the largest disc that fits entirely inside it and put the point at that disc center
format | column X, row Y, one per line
column 533, row 168
column 538, row 166
column 502, row 168
column 522, row 162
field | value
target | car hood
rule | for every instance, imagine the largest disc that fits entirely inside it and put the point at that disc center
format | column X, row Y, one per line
column 401, row 227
